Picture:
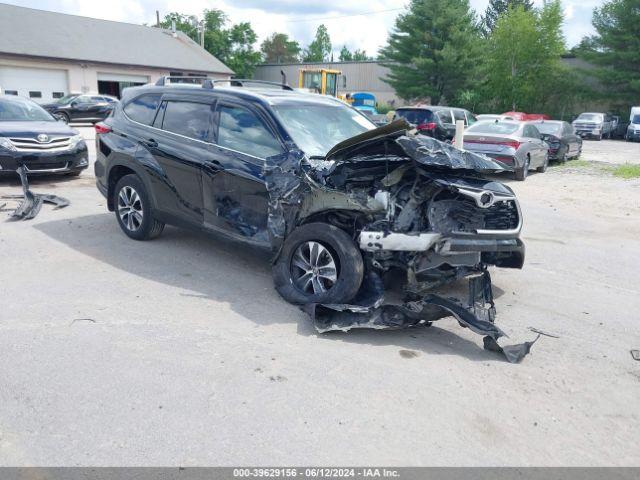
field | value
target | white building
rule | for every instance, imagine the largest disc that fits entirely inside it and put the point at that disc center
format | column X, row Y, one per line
column 46, row 55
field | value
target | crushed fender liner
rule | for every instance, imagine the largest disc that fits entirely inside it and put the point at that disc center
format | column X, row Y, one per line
column 30, row 203
column 478, row 317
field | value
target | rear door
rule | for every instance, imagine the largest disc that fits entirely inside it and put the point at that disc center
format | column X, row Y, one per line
column 538, row 148
column 179, row 141
column 235, row 195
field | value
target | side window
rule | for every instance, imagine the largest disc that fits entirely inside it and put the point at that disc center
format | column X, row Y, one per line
column 471, row 118
column 83, row 99
column 143, row 108
column 190, row 119
column 531, row 132
column 97, row 99
column 444, row 116
column 459, row 115
column 243, row 131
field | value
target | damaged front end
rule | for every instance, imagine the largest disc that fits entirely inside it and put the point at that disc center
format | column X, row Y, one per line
column 412, row 204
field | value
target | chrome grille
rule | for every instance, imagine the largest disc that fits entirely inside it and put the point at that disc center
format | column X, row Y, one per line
column 56, row 144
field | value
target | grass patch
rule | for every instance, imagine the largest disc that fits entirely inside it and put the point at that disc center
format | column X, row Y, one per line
column 627, row 171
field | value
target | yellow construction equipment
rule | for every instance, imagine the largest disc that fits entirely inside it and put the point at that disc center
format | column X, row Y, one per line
column 319, row 80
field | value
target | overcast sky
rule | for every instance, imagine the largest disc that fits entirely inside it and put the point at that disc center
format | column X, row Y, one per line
column 298, row 18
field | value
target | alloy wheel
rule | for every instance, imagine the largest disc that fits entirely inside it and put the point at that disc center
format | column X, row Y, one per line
column 130, row 208
column 313, row 268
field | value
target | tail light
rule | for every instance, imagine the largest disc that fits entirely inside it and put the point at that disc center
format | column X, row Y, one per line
column 508, row 143
column 426, row 126
column 102, row 128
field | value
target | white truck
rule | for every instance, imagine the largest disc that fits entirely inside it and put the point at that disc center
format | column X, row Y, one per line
column 593, row 125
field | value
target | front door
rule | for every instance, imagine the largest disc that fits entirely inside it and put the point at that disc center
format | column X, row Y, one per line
column 234, row 193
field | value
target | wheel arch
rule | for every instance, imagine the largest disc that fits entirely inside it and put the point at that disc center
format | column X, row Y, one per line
column 119, row 170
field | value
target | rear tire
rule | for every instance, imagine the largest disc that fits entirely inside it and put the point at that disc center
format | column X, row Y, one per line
column 133, row 209
column 522, row 173
column 296, row 274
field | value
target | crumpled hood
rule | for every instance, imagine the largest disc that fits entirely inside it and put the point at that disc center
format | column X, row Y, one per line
column 394, row 140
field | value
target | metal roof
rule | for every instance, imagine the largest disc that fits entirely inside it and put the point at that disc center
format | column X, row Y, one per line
column 39, row 33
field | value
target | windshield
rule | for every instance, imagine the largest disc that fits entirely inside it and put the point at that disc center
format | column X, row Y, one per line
column 548, row 128
column 23, row 111
column 416, row 117
column 589, row 116
column 494, row 127
column 316, row 128
column 66, row 99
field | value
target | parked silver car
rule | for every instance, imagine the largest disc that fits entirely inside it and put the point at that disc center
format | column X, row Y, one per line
column 519, row 146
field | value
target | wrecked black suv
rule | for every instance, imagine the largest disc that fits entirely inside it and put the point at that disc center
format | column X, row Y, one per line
column 338, row 201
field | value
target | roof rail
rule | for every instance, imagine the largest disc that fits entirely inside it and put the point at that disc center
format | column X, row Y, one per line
column 203, row 81
column 242, row 82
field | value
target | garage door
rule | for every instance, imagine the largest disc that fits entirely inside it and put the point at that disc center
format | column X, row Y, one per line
column 40, row 84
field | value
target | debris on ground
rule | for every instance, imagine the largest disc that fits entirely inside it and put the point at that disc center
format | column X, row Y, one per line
column 374, row 313
column 30, row 203
column 635, row 354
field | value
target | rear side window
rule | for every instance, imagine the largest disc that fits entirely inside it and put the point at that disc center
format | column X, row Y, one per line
column 190, row 119
column 445, row 116
column 143, row 108
column 531, row 132
column 416, row 117
column 241, row 130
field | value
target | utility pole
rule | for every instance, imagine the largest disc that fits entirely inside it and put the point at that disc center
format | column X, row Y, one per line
column 158, row 18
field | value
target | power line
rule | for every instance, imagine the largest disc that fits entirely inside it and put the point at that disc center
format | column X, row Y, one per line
column 373, row 12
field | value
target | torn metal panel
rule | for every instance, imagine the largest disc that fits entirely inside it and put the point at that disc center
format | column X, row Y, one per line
column 478, row 317
column 31, row 203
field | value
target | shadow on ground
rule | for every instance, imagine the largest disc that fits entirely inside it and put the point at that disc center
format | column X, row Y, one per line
column 213, row 269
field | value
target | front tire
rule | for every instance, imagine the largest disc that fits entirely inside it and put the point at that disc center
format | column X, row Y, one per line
column 545, row 165
column 64, row 116
column 319, row 263
column 133, row 209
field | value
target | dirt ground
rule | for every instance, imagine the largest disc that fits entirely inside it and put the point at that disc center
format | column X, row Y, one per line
column 180, row 352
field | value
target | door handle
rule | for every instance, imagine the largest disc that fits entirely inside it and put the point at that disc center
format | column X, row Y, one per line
column 151, row 143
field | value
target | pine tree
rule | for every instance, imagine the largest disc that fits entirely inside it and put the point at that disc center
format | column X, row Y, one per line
column 616, row 49
column 432, row 50
column 498, row 7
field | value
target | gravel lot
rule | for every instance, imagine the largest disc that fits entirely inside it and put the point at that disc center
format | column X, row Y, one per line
column 180, row 352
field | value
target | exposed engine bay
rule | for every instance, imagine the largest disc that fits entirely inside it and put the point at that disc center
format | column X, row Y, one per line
column 412, row 204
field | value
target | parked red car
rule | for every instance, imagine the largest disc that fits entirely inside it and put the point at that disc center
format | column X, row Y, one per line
column 526, row 117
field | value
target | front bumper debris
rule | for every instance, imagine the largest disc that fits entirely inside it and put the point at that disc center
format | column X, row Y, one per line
column 373, row 313
column 29, row 203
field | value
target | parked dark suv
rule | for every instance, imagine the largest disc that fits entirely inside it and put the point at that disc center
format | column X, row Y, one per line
column 435, row 121
column 81, row 108
column 334, row 198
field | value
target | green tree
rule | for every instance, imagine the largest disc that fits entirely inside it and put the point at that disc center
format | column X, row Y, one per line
column 320, row 49
column 432, row 50
column 184, row 23
column 231, row 45
column 360, row 56
column 615, row 49
column 345, row 54
column 522, row 61
column 498, row 7
column 278, row 48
